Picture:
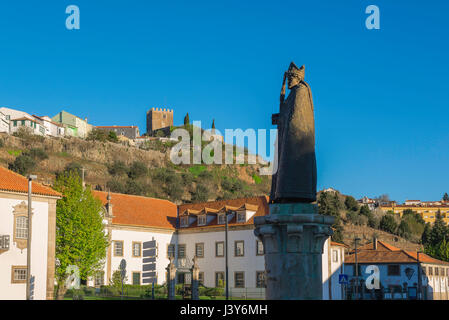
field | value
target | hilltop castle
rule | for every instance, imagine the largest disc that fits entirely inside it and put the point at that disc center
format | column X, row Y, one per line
column 159, row 119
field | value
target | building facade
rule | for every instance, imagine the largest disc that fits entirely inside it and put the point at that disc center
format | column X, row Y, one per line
column 402, row 274
column 131, row 132
column 14, row 237
column 52, row 128
column 197, row 230
column 32, row 125
column 428, row 211
column 74, row 126
column 4, row 123
column 159, row 119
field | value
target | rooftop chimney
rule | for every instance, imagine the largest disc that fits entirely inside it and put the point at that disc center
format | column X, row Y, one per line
column 374, row 243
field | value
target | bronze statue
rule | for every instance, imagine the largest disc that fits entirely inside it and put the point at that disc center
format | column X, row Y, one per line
column 295, row 179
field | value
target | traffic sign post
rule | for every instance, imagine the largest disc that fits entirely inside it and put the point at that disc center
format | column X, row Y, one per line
column 122, row 273
column 343, row 279
column 149, row 262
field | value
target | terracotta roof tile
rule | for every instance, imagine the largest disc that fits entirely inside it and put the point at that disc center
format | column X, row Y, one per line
column 14, row 182
column 140, row 211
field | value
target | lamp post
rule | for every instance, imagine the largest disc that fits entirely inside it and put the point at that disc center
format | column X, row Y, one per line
column 419, row 276
column 30, row 184
column 356, row 270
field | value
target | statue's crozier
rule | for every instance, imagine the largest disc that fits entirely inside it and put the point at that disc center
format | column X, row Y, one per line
column 295, row 179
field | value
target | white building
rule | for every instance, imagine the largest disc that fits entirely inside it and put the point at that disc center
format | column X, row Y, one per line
column 4, row 123
column 14, row 114
column 32, row 125
column 14, row 234
column 51, row 128
column 199, row 231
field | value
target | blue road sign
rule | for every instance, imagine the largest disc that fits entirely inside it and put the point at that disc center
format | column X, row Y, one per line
column 343, row 279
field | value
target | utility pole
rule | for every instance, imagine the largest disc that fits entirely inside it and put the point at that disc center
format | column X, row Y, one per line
column 419, row 277
column 30, row 192
column 226, row 256
column 356, row 270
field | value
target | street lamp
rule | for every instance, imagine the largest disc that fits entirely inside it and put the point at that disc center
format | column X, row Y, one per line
column 30, row 184
column 226, row 256
column 356, row 270
column 419, row 275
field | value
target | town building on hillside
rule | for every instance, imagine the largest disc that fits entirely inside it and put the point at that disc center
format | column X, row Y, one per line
column 332, row 190
column 32, row 125
column 197, row 230
column 4, row 123
column 159, row 119
column 427, row 212
column 74, row 126
column 52, row 128
column 14, row 114
column 412, row 202
column 14, row 237
column 402, row 274
column 131, row 132
column 371, row 203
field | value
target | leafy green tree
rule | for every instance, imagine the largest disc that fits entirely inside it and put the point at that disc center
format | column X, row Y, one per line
column 388, row 224
column 118, row 168
column 328, row 204
column 439, row 230
column 201, row 193
column 112, row 136
column 97, row 135
column 425, row 237
column 75, row 167
column 116, row 281
column 446, row 197
column 351, row 203
column 186, row 119
column 404, row 230
column 80, row 236
column 137, row 169
column 364, row 210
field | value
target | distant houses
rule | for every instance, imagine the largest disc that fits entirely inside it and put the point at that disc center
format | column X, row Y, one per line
column 130, row 132
column 74, row 126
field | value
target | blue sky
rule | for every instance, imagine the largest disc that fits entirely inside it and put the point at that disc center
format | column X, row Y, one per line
column 381, row 96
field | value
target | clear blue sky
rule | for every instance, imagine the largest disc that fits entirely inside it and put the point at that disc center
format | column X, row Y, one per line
column 381, row 96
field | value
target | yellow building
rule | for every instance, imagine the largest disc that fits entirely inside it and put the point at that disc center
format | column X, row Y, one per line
column 427, row 211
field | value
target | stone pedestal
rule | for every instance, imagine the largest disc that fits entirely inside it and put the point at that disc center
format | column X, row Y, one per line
column 195, row 280
column 293, row 236
column 171, row 279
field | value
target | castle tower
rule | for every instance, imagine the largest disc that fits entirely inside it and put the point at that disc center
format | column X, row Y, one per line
column 159, row 119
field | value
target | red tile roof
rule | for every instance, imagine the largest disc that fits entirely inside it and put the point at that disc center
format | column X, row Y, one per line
column 140, row 211
column 14, row 182
column 258, row 204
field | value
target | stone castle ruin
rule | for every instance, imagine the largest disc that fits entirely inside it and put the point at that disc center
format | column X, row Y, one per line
column 159, row 119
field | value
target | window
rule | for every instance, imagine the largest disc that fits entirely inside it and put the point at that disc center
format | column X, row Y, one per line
column 171, row 250
column 202, row 220
column 259, row 248
column 19, row 274
column 22, row 227
column 260, row 279
column 394, row 270
column 334, row 255
column 239, row 279
column 137, row 249
column 15, row 123
column 437, row 271
column 136, row 278
column 239, row 248
column 184, row 221
column 201, row 278
column 181, row 251
column 424, row 270
column 118, row 248
column 219, row 249
column 99, row 279
column 219, row 279
column 221, row 218
column 430, row 271
column 199, row 250
column 241, row 217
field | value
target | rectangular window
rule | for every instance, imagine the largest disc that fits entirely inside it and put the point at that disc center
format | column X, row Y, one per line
column 430, row 271
column 260, row 279
column 22, row 227
column 239, row 248
column 19, row 274
column 437, row 271
column 219, row 279
column 219, row 249
column 394, row 270
column 184, row 222
column 23, row 122
column 241, row 217
column 202, row 220
column 221, row 218
column 136, row 278
column 99, row 279
column 424, row 270
column 181, row 251
column 137, row 249
column 239, row 279
column 259, row 248
column 201, row 278
column 199, row 250
column 334, row 255
column 15, row 123
column 171, row 250
column 118, row 248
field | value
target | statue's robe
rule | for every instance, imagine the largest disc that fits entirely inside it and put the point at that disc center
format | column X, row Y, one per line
column 295, row 179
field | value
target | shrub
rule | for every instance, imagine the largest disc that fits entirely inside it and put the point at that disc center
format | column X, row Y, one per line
column 257, row 179
column 388, row 224
column 116, row 186
column 112, row 136
column 137, row 169
column 2, row 144
column 23, row 164
column 75, row 167
column 201, row 193
column 97, row 135
column 196, row 170
column 118, row 168
column 37, row 154
column 351, row 203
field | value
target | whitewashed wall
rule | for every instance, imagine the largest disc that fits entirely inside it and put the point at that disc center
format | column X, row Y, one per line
column 16, row 257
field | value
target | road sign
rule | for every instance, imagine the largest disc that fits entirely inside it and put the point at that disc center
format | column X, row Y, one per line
column 32, row 288
column 343, row 279
column 149, row 262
